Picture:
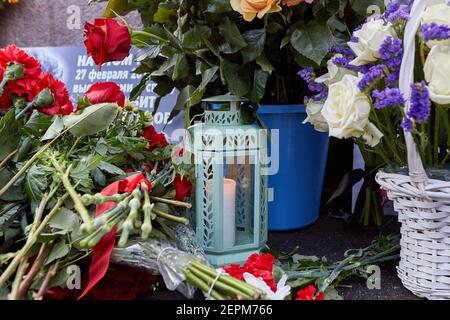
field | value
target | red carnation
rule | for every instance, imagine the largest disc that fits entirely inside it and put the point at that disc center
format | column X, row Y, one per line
column 308, row 293
column 155, row 139
column 31, row 68
column 183, row 187
column 5, row 103
column 61, row 104
column 259, row 265
column 107, row 40
column 102, row 92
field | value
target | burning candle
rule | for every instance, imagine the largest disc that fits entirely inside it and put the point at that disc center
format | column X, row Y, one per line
column 229, row 212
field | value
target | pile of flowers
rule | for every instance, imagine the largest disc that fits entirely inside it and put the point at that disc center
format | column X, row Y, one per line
column 359, row 97
column 74, row 179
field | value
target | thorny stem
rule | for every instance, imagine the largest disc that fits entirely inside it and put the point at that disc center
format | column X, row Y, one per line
column 35, row 267
column 48, row 277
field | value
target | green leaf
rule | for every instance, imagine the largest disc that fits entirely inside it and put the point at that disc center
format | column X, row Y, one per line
column 65, row 219
column 181, row 68
column 265, row 64
column 110, row 168
column 15, row 193
column 256, row 39
column 118, row 6
column 312, row 40
column 165, row 13
column 193, row 38
column 94, row 119
column 56, row 127
column 35, row 183
column 138, row 89
column 259, row 85
column 147, row 52
column 9, row 134
column 59, row 250
column 38, row 123
column 81, row 172
column 232, row 36
column 218, row 6
column 238, row 80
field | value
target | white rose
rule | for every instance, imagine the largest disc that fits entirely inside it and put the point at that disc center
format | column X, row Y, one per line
column 347, row 110
column 439, row 14
column 335, row 72
column 437, row 74
column 370, row 38
column 313, row 110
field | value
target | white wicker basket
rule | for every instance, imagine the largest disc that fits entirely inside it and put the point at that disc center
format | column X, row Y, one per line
column 423, row 204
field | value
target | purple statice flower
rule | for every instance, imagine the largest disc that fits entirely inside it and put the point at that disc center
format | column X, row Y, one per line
column 434, row 31
column 375, row 73
column 420, row 107
column 308, row 75
column 396, row 12
column 344, row 62
column 389, row 97
column 391, row 52
column 393, row 77
column 406, row 124
column 344, row 51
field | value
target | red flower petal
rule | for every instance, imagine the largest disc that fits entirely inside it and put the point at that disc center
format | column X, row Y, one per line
column 183, row 187
column 107, row 40
column 102, row 92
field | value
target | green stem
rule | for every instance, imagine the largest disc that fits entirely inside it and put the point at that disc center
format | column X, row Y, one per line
column 240, row 285
column 24, row 110
column 31, row 240
column 79, row 206
column 195, row 281
column 2, row 85
column 28, row 164
column 222, row 287
column 170, row 217
column 6, row 160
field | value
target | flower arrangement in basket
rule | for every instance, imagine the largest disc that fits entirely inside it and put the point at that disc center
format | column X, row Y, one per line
column 390, row 92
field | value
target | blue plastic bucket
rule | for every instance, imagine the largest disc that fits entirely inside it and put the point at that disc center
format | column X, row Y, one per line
column 295, row 191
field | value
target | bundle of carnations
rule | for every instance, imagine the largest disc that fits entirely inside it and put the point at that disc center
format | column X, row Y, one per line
column 391, row 93
column 71, row 181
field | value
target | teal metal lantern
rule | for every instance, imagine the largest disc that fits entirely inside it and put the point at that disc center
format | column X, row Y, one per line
column 231, row 185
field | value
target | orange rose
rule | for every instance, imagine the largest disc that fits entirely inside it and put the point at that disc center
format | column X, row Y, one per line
column 252, row 8
column 291, row 3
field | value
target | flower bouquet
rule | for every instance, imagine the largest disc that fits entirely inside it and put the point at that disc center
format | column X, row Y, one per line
column 70, row 181
column 360, row 97
column 252, row 49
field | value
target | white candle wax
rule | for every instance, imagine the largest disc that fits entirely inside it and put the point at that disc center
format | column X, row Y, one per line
column 229, row 213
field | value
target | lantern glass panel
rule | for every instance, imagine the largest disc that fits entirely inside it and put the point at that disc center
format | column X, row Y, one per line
column 239, row 170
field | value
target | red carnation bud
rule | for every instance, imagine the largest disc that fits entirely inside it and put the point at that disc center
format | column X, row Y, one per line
column 107, row 40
